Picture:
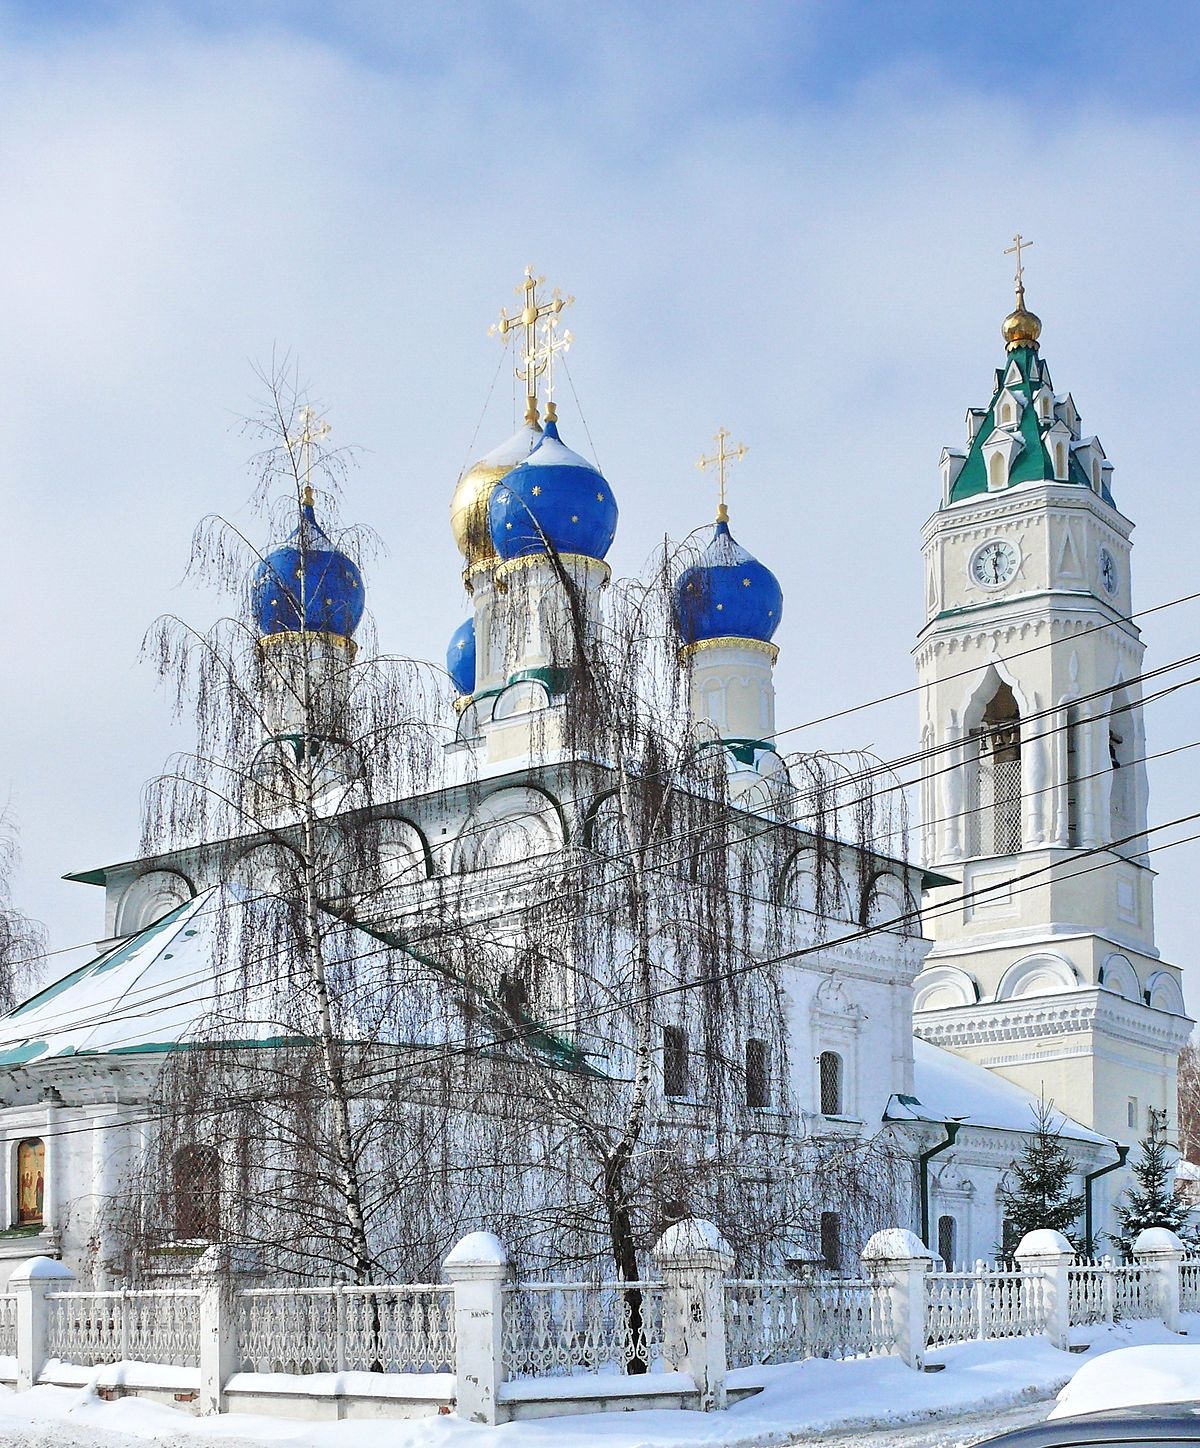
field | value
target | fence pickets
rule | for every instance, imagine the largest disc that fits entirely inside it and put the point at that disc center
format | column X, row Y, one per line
column 613, row 1340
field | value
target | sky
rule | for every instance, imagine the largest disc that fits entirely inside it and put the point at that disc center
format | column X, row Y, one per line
column 784, row 219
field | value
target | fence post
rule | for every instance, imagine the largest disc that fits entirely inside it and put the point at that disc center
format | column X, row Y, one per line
column 214, row 1276
column 1108, row 1289
column 1047, row 1256
column 1160, row 1252
column 478, row 1267
column 898, row 1260
column 29, row 1283
column 694, row 1259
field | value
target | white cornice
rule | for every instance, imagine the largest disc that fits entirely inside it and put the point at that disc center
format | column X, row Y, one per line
column 1087, row 1011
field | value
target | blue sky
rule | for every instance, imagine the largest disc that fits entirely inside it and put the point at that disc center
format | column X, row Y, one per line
column 785, row 219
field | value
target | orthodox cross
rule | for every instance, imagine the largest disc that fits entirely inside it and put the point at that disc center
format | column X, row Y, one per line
column 543, row 356
column 1019, row 243
column 721, row 460
column 533, row 310
column 311, row 433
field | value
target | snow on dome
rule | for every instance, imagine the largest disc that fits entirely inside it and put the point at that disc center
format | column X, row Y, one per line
column 727, row 594
column 556, row 497
column 469, row 505
column 895, row 1244
column 477, row 1249
column 1045, row 1242
column 693, row 1234
column 1157, row 1240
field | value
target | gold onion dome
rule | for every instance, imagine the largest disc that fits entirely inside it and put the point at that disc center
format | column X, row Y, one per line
column 1021, row 328
column 469, row 505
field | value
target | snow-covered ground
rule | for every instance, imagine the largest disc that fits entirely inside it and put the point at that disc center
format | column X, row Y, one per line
column 984, row 1388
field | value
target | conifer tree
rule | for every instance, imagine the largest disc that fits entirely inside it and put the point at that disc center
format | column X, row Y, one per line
column 1037, row 1196
column 1151, row 1201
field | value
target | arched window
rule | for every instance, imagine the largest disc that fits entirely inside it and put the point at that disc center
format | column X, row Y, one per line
column 675, row 1062
column 1044, row 407
column 1060, row 460
column 31, row 1181
column 831, row 1240
column 831, row 1083
column 1096, row 474
column 947, row 1241
column 758, row 1073
column 994, row 777
column 996, row 470
column 1006, row 412
column 196, row 1193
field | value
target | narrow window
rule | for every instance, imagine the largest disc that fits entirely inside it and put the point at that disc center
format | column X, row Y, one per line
column 831, row 1083
column 675, row 1062
column 1131, row 1113
column 1060, row 461
column 758, row 1080
column 996, row 471
column 947, row 1244
column 1120, row 756
column 1074, row 779
column 1010, row 1238
column 31, row 1181
column 195, row 1179
column 831, row 1240
column 1096, row 474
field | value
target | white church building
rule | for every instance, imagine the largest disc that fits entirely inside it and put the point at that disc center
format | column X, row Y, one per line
column 1031, row 972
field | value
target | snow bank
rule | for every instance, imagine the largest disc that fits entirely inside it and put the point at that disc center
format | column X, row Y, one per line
column 1164, row 1373
column 816, row 1397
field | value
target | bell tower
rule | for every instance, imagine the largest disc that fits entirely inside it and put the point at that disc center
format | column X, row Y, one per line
column 1034, row 793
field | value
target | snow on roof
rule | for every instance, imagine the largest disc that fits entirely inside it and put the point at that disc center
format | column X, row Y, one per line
column 948, row 1088
column 183, row 979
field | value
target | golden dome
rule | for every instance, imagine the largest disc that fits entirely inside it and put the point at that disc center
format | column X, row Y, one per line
column 469, row 505
column 1021, row 328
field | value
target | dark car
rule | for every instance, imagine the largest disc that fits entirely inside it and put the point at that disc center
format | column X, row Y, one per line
column 1152, row 1423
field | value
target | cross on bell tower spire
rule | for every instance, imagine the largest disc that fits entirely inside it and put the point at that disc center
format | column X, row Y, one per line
column 312, row 431
column 534, row 309
column 721, row 460
column 1019, row 243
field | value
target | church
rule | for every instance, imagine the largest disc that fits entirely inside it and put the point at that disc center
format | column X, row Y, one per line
column 594, row 951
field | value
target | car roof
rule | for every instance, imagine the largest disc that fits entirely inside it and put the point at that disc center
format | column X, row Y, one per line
column 1149, row 1423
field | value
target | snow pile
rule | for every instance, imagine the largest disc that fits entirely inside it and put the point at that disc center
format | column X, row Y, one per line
column 1164, row 1373
column 813, row 1398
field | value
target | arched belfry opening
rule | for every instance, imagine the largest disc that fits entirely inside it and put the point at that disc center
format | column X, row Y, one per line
column 993, row 767
column 1121, row 801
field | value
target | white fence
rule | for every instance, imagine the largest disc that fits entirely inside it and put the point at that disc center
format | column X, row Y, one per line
column 493, row 1349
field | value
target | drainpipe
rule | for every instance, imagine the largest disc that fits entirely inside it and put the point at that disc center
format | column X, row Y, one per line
column 923, row 1168
column 1089, row 1178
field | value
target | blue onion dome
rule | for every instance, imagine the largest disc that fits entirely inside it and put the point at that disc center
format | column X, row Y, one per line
column 308, row 583
column 469, row 505
column 556, row 494
column 460, row 657
column 727, row 593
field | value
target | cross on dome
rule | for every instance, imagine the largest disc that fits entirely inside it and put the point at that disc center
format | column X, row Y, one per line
column 534, row 309
column 721, row 460
column 312, row 430
column 1019, row 243
column 541, row 360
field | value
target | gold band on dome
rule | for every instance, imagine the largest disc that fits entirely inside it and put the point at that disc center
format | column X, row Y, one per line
column 730, row 641
column 568, row 560
column 295, row 636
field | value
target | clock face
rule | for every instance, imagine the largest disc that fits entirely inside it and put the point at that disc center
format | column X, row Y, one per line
column 994, row 563
column 1108, row 571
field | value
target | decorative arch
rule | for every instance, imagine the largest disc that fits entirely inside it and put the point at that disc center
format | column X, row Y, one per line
column 599, row 824
column 1045, row 973
column 943, row 987
column 992, row 763
column 885, row 900
column 1118, row 976
column 150, row 897
column 1163, row 994
column 797, row 886
column 265, row 870
column 524, row 697
column 517, row 823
